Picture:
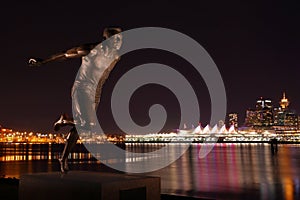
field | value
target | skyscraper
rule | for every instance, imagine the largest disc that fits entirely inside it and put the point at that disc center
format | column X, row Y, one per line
column 278, row 116
column 233, row 119
column 291, row 120
column 251, row 117
column 264, row 112
column 285, row 118
column 262, row 103
column 284, row 102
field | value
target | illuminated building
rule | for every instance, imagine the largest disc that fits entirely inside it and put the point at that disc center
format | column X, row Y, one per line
column 233, row 119
column 262, row 103
column 291, row 120
column 281, row 114
column 284, row 102
column 284, row 118
column 264, row 112
column 251, row 117
column 278, row 116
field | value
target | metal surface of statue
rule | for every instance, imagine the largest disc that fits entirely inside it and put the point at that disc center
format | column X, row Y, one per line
column 97, row 58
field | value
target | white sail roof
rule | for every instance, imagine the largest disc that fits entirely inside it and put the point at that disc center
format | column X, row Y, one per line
column 223, row 130
column 206, row 129
column 198, row 129
column 215, row 129
column 232, row 129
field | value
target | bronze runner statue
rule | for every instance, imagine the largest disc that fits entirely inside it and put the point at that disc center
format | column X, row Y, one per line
column 97, row 58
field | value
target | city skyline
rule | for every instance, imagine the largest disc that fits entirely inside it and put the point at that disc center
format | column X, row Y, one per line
column 266, row 113
column 254, row 45
column 232, row 118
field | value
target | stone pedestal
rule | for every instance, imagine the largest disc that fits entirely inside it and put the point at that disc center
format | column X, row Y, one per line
column 80, row 185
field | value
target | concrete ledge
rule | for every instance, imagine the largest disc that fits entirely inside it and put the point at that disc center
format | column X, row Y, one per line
column 88, row 185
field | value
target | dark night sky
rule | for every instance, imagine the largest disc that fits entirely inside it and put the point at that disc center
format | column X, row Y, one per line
column 254, row 44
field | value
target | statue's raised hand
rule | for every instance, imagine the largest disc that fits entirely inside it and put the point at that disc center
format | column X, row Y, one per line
column 34, row 62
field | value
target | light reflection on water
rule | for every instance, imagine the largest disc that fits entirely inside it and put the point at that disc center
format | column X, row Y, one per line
column 229, row 171
column 34, row 152
column 235, row 171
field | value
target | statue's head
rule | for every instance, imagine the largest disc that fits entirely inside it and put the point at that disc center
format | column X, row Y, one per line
column 115, row 34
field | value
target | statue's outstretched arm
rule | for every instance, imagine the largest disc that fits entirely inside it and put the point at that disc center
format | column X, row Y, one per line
column 76, row 52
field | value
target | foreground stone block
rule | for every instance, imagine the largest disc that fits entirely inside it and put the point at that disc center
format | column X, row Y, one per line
column 79, row 185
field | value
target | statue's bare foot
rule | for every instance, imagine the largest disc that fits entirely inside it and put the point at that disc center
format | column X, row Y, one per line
column 64, row 168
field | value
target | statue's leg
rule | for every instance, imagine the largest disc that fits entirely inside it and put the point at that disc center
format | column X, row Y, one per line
column 70, row 143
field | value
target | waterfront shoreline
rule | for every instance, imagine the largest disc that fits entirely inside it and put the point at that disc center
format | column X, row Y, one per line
column 167, row 142
column 218, row 142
